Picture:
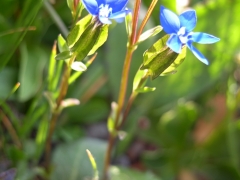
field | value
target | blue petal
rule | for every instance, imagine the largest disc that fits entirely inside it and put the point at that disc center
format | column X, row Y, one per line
column 174, row 43
column 188, row 19
column 169, row 21
column 119, row 16
column 117, row 5
column 204, row 38
column 104, row 20
column 199, row 55
column 100, row 2
column 91, row 6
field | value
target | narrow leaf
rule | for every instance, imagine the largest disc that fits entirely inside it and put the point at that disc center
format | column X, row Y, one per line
column 112, row 117
column 145, row 89
column 93, row 163
column 88, row 40
column 63, row 55
column 100, row 40
column 62, row 44
column 77, row 30
column 51, row 68
column 150, row 33
column 128, row 23
column 70, row 4
column 138, row 77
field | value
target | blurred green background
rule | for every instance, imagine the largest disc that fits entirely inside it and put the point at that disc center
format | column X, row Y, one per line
column 187, row 129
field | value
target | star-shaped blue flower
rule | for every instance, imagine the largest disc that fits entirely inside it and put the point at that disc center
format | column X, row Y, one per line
column 105, row 10
column 180, row 28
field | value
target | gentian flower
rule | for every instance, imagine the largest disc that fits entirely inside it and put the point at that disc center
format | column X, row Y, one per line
column 180, row 30
column 105, row 10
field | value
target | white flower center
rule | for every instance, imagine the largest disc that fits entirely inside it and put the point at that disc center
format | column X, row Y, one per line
column 104, row 10
column 183, row 35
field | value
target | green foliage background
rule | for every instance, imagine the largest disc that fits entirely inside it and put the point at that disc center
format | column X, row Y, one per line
column 172, row 112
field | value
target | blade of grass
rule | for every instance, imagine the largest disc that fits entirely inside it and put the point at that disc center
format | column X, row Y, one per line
column 31, row 13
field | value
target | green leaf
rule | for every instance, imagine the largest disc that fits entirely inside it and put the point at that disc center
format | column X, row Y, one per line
column 63, row 55
column 78, row 66
column 62, row 44
column 79, row 10
column 30, row 75
column 128, row 23
column 70, row 4
column 25, row 19
column 159, row 57
column 90, row 39
column 172, row 68
column 41, row 136
column 94, row 164
column 138, row 77
column 77, row 30
column 120, row 173
column 71, row 162
column 111, row 118
column 100, row 40
column 145, row 89
column 50, row 98
column 150, row 33
column 51, row 68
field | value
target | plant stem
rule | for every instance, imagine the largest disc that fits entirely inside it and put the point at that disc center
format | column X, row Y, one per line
column 53, row 121
column 123, row 87
column 146, row 18
column 108, row 156
column 7, row 123
column 130, row 101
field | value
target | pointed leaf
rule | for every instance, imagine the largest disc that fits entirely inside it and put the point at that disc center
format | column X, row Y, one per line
column 128, row 23
column 145, row 89
column 62, row 44
column 86, row 43
column 111, row 118
column 67, row 158
column 138, row 77
column 70, row 4
column 100, row 40
column 50, row 98
column 94, row 164
column 63, row 55
column 77, row 30
column 150, row 33
column 51, row 68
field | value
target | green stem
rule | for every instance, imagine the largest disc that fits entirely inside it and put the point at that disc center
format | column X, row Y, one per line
column 130, row 101
column 123, row 87
column 56, row 112
column 146, row 18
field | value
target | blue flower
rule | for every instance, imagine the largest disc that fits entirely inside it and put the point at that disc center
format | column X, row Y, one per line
column 180, row 30
column 105, row 10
